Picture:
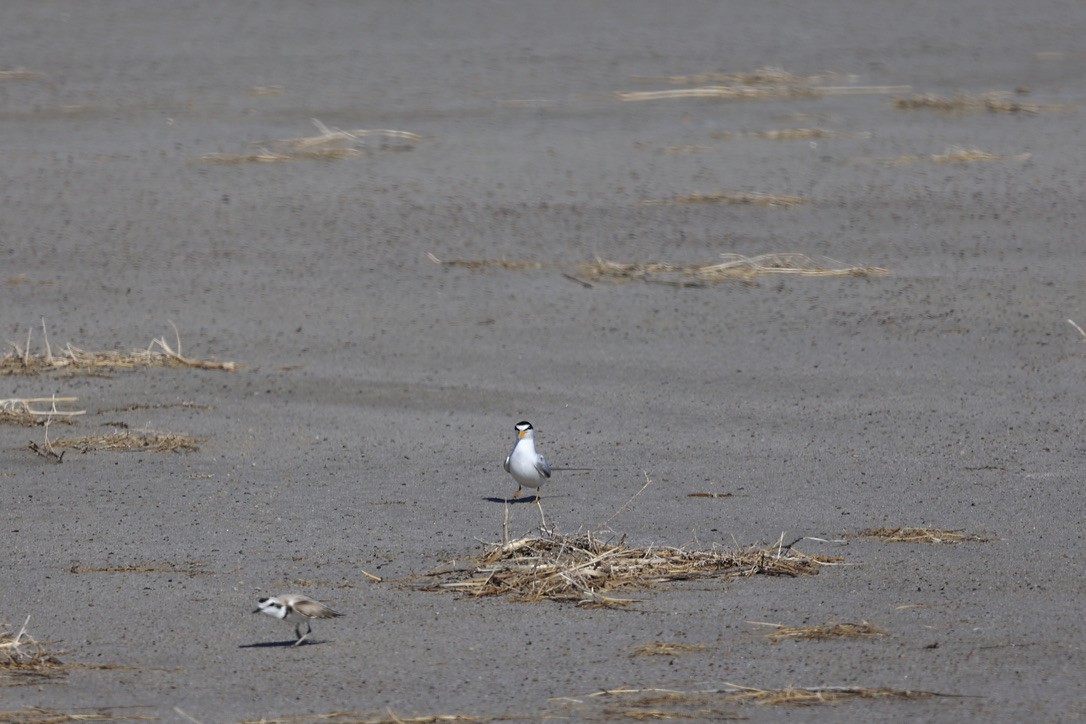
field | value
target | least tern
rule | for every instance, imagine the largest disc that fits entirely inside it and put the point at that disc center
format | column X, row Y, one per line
column 527, row 467
column 297, row 609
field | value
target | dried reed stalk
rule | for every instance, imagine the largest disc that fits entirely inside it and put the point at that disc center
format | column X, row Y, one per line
column 665, row 648
column 43, row 715
column 787, row 134
column 996, row 102
column 797, row 696
column 20, row 74
column 920, row 535
column 584, row 569
column 734, row 266
column 750, row 92
column 754, row 199
column 822, row 632
column 188, row 568
column 133, row 440
column 956, row 154
column 328, row 144
column 356, row 717
column 159, row 353
column 19, row 411
column 24, row 660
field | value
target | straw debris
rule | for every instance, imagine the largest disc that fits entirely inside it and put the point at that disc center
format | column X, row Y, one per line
column 920, row 535
column 477, row 264
column 25, row 660
column 766, row 75
column 787, row 134
column 21, row 73
column 43, row 715
column 822, row 632
column 772, row 201
column 188, row 568
column 328, row 144
column 665, row 648
column 356, row 717
column 956, row 154
column 797, row 696
column 129, row 440
column 995, row 102
column 159, row 353
column 734, row 267
column 583, row 569
column 27, row 411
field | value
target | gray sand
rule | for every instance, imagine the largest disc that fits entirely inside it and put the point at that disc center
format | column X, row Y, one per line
column 378, row 390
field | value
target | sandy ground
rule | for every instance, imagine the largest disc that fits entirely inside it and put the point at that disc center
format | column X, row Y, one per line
column 378, row 390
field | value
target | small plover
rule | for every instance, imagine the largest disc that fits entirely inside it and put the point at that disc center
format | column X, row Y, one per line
column 527, row 467
column 297, row 609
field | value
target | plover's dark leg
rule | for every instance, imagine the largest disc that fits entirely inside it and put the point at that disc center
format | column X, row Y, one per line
column 298, row 632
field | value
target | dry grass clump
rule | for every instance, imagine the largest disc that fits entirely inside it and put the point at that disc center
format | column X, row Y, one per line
column 721, row 92
column 754, row 199
column 798, row 696
column 24, row 411
column 20, row 73
column 264, row 90
column 129, row 440
column 476, row 264
column 920, row 535
column 356, row 717
column 766, row 75
column 956, row 154
column 665, row 648
column 328, row 144
column 655, row 703
column 584, row 569
column 823, row 632
column 24, row 660
column 43, row 715
column 788, row 134
column 188, row 568
column 734, row 266
column 158, row 353
column 996, row 102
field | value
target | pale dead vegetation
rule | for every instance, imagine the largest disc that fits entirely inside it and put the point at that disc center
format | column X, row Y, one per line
column 357, row 717
column 753, row 93
column 772, row 201
column 21, row 73
column 822, row 632
column 920, row 535
column 25, row 660
column 732, row 267
column 955, row 154
column 995, row 102
column 665, row 648
column 264, row 90
column 585, row 569
column 133, row 440
column 766, row 75
column 159, row 353
column 27, row 411
column 642, row 704
column 328, row 144
column 45, row 715
column 188, row 568
column 788, row 134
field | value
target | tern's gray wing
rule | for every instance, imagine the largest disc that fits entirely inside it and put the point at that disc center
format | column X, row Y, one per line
column 508, row 459
column 542, row 466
